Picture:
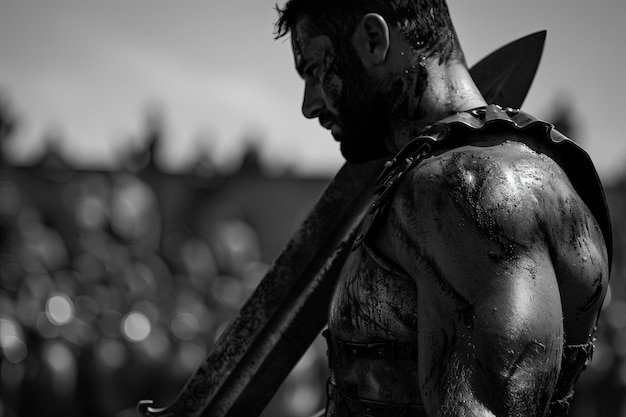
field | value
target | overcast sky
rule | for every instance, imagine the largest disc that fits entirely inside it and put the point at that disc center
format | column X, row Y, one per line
column 89, row 69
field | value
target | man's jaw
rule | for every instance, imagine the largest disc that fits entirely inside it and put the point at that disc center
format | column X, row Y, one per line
column 337, row 132
column 330, row 123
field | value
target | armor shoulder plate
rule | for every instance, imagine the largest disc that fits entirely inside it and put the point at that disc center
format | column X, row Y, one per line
column 455, row 131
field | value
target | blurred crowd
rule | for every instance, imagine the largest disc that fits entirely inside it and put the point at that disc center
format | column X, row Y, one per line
column 100, row 311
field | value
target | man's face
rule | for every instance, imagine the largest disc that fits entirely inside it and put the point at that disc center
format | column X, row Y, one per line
column 342, row 95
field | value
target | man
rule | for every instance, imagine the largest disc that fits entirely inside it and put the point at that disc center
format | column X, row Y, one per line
column 476, row 285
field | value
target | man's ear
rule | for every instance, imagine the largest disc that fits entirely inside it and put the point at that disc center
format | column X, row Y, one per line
column 371, row 39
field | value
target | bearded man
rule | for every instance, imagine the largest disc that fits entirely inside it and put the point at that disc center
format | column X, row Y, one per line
column 475, row 286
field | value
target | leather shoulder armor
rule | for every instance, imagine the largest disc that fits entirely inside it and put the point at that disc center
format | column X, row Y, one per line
column 455, row 131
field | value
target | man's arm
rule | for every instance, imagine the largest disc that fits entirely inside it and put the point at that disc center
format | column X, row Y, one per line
column 496, row 353
column 468, row 227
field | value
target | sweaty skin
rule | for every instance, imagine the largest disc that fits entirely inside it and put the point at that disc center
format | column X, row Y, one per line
column 490, row 261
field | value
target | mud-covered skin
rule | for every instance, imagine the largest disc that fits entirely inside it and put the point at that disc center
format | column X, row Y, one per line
column 374, row 303
column 508, row 266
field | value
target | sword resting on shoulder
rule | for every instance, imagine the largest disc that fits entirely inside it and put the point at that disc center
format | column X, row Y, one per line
column 288, row 309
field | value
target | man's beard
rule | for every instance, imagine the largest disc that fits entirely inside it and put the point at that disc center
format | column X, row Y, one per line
column 366, row 123
column 365, row 113
column 365, row 120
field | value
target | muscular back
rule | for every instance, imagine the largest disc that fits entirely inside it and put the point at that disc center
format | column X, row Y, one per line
column 491, row 262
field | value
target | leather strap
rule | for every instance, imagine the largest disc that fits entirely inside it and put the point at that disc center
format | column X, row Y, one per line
column 369, row 408
column 388, row 349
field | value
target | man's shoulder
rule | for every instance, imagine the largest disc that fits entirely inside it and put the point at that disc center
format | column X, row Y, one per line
column 511, row 166
column 508, row 186
column 488, row 144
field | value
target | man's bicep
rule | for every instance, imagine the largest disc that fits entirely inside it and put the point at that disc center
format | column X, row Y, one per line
column 518, row 328
column 498, row 348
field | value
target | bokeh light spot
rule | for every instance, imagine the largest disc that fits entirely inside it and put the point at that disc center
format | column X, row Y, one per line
column 303, row 401
column 7, row 328
column 136, row 326
column 185, row 326
column 14, row 349
column 91, row 212
column 59, row 357
column 190, row 354
column 60, row 309
column 228, row 291
column 112, row 353
column 157, row 345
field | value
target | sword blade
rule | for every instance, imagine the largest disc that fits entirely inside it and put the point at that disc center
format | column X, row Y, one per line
column 505, row 76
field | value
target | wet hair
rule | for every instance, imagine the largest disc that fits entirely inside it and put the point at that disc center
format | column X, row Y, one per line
column 426, row 24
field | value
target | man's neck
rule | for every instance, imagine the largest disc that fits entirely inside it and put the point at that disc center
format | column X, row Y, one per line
column 449, row 90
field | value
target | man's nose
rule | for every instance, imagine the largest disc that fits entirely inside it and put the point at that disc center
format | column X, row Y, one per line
column 313, row 102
